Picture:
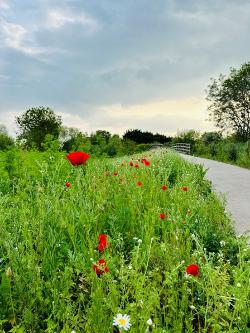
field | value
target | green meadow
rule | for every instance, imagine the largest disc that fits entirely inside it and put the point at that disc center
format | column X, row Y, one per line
column 51, row 277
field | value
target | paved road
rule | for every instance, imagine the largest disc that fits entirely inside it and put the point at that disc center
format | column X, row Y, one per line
column 235, row 183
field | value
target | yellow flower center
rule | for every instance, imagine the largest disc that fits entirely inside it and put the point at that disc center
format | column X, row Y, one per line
column 122, row 321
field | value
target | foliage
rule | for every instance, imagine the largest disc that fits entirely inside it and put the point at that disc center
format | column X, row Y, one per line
column 225, row 150
column 187, row 136
column 49, row 243
column 211, row 137
column 145, row 137
column 229, row 98
column 6, row 142
column 72, row 139
column 35, row 123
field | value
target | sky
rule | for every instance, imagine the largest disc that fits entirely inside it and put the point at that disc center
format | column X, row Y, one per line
column 118, row 65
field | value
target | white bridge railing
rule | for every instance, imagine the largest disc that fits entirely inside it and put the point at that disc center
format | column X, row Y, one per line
column 184, row 148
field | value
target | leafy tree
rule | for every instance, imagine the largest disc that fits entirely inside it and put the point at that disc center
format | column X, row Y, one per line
column 133, row 135
column 187, row 136
column 229, row 98
column 145, row 137
column 104, row 134
column 6, row 141
column 211, row 137
column 35, row 124
column 73, row 139
column 114, row 146
column 159, row 138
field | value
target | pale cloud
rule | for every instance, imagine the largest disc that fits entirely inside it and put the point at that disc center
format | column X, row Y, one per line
column 165, row 117
column 15, row 36
column 4, row 4
column 58, row 18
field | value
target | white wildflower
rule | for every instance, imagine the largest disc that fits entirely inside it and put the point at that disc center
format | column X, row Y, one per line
column 149, row 322
column 122, row 321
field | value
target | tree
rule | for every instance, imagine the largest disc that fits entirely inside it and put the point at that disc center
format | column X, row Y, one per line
column 211, row 137
column 229, row 99
column 5, row 140
column 187, row 136
column 35, row 124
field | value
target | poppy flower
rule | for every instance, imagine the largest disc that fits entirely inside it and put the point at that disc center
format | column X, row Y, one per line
column 78, row 157
column 102, row 237
column 131, row 163
column 192, row 269
column 184, row 188
column 139, row 183
column 103, row 242
column 164, row 187
column 67, row 184
column 162, row 216
column 137, row 166
column 115, row 173
column 100, row 267
column 145, row 162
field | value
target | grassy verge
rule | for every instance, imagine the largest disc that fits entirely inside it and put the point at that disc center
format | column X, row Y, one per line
column 50, row 247
column 227, row 152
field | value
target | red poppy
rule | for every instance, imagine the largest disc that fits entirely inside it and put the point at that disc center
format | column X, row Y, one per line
column 78, row 157
column 131, row 163
column 67, row 184
column 103, row 242
column 192, row 269
column 137, row 166
column 139, row 183
column 145, row 162
column 164, row 187
column 162, row 216
column 100, row 267
column 115, row 173
column 184, row 188
column 102, row 237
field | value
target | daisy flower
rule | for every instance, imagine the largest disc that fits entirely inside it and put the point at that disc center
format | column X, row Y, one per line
column 122, row 321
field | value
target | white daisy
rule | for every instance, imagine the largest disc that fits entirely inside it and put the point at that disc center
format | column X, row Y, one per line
column 149, row 322
column 122, row 321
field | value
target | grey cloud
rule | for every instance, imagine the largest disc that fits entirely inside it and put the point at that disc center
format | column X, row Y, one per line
column 141, row 51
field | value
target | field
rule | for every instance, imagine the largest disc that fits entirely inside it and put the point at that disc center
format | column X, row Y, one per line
column 146, row 238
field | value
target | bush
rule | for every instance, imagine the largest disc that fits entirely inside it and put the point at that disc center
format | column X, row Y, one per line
column 6, row 142
column 232, row 153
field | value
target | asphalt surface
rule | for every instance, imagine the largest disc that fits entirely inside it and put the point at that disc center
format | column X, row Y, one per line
column 232, row 182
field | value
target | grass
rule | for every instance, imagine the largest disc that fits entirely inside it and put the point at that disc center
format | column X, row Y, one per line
column 226, row 151
column 49, row 239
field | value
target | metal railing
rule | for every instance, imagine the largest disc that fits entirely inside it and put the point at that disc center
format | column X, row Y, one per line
column 184, row 148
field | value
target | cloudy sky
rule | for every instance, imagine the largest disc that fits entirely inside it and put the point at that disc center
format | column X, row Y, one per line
column 118, row 64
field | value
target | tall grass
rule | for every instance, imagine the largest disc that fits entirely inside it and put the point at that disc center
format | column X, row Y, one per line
column 49, row 238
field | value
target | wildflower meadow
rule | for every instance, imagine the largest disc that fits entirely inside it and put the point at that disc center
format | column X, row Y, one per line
column 133, row 244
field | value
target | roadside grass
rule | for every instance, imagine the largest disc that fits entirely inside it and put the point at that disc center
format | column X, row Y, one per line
column 49, row 244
